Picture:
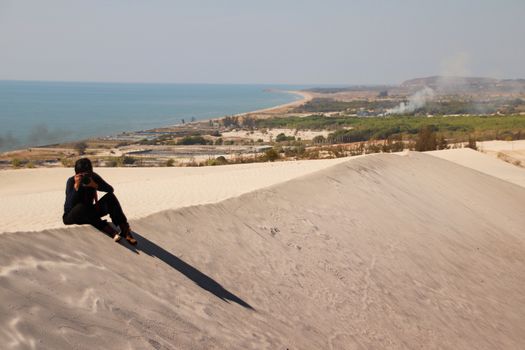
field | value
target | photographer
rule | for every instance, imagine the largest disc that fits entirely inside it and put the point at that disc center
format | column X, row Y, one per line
column 83, row 207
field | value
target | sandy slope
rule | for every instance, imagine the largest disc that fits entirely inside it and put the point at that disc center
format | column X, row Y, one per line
column 379, row 252
column 33, row 199
column 484, row 163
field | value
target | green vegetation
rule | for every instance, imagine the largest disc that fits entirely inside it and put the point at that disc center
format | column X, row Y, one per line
column 354, row 129
column 67, row 162
column 427, row 140
column 283, row 138
column 443, row 106
column 16, row 163
column 311, row 122
column 80, row 147
column 126, row 160
column 320, row 105
column 472, row 143
column 220, row 160
column 193, row 140
column 271, row 155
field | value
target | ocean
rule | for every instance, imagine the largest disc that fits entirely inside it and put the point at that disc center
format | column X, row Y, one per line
column 35, row 113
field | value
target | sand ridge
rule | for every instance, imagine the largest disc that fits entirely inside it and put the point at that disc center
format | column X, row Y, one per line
column 33, row 199
column 483, row 163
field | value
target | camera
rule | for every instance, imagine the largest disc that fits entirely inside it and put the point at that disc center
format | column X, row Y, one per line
column 86, row 179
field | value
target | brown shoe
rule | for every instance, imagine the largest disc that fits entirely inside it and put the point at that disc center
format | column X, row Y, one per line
column 131, row 240
column 125, row 231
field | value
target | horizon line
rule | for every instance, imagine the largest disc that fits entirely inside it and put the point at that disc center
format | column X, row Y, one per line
column 309, row 85
column 194, row 83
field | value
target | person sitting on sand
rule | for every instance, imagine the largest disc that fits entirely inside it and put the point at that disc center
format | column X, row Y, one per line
column 82, row 207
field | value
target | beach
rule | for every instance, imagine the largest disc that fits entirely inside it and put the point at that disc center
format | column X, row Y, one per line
column 283, row 108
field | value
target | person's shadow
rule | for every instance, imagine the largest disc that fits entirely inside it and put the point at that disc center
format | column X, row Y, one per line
column 201, row 279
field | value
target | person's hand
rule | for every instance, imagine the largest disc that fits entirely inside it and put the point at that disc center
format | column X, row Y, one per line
column 78, row 179
column 92, row 183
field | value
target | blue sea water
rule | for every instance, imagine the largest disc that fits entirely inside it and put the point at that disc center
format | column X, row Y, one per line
column 34, row 113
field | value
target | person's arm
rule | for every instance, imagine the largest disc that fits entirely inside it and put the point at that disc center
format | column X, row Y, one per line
column 72, row 196
column 102, row 185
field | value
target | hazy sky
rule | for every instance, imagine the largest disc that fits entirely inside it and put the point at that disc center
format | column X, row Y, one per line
column 260, row 41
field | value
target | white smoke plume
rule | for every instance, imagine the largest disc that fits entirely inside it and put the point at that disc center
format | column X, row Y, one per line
column 416, row 101
column 454, row 69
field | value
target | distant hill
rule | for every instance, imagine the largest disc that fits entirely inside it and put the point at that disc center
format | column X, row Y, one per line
column 441, row 84
column 466, row 84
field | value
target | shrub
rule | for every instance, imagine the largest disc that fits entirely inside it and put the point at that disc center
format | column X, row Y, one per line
column 66, row 162
column 426, row 139
column 221, row 160
column 80, row 147
column 472, row 143
column 282, row 137
column 271, row 155
column 170, row 162
column 112, row 162
column 319, row 139
column 16, row 163
column 192, row 140
column 442, row 143
column 126, row 160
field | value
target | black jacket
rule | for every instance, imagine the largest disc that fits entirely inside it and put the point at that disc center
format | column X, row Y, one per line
column 84, row 195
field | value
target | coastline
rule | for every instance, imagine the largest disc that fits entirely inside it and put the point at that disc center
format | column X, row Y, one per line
column 282, row 108
column 306, row 96
column 129, row 108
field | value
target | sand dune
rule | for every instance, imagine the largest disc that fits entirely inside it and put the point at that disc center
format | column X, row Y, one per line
column 378, row 252
column 484, row 163
column 33, row 199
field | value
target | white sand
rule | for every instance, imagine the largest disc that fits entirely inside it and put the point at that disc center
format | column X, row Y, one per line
column 484, row 163
column 495, row 146
column 33, row 199
column 511, row 151
column 379, row 252
column 271, row 134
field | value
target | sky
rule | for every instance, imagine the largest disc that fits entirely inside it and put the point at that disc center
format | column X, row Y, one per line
column 254, row 41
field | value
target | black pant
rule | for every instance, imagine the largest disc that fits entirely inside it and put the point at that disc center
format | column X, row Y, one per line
column 82, row 213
